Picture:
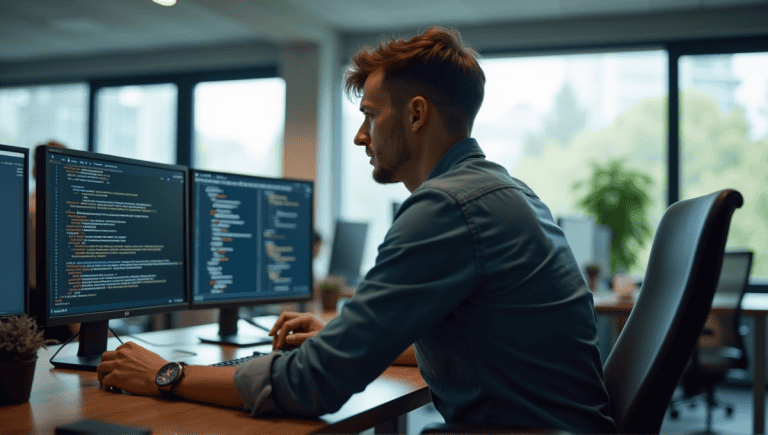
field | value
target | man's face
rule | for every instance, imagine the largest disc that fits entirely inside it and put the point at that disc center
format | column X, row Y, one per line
column 382, row 132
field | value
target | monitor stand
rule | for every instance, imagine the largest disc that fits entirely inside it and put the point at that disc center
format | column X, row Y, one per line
column 93, row 343
column 228, row 318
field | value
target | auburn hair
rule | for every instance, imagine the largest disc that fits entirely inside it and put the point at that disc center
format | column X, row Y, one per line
column 434, row 64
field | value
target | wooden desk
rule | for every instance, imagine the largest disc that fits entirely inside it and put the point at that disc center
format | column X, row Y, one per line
column 64, row 396
column 754, row 305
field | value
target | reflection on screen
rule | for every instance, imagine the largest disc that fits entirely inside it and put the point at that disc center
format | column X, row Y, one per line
column 251, row 238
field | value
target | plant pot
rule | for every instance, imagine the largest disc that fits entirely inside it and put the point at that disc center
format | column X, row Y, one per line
column 329, row 298
column 16, row 381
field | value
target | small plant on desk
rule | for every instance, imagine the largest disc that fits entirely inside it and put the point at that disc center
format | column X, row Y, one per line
column 19, row 341
column 330, row 291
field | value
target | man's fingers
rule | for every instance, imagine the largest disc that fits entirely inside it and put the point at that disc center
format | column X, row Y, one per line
column 285, row 330
column 104, row 369
column 297, row 338
column 108, row 355
column 110, row 381
column 287, row 315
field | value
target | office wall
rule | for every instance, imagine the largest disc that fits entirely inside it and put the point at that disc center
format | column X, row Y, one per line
column 559, row 35
column 171, row 61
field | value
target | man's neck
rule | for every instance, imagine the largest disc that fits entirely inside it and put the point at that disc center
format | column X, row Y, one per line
column 431, row 153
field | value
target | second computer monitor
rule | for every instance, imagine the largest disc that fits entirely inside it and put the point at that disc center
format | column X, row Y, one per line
column 347, row 251
column 13, row 230
column 251, row 244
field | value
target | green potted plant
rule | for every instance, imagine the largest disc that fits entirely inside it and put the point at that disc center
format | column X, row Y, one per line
column 19, row 341
column 618, row 197
column 330, row 289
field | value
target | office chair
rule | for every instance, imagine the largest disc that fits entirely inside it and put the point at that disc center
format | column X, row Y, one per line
column 720, row 349
column 649, row 356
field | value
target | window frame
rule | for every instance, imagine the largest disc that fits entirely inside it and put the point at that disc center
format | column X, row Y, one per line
column 185, row 83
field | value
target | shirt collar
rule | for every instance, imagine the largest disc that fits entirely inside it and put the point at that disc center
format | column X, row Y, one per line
column 460, row 151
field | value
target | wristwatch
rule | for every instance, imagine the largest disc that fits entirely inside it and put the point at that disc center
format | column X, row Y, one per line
column 168, row 377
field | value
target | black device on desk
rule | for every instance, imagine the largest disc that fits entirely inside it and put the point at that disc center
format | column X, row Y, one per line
column 14, row 255
column 112, row 243
column 347, row 251
column 251, row 244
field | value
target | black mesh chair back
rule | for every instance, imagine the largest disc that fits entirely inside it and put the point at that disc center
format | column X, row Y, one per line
column 731, row 287
column 653, row 348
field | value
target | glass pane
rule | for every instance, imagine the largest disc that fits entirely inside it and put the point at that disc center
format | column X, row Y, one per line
column 138, row 122
column 724, row 140
column 547, row 119
column 37, row 114
column 239, row 126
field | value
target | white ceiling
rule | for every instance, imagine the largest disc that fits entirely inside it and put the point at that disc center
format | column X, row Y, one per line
column 38, row 29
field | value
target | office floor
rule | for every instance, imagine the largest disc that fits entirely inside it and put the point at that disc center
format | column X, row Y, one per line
column 689, row 421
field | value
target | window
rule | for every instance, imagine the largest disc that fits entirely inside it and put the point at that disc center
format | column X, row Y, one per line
column 36, row 114
column 548, row 119
column 724, row 140
column 138, row 122
column 239, row 126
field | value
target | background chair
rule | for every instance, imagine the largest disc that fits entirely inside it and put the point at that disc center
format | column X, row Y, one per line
column 721, row 346
column 652, row 350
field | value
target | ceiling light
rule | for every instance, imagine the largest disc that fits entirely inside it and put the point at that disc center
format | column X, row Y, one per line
column 165, row 2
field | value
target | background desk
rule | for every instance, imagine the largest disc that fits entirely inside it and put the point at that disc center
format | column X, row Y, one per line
column 64, row 396
column 754, row 305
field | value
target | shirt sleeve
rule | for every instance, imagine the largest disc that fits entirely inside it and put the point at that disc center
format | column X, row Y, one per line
column 253, row 386
column 425, row 268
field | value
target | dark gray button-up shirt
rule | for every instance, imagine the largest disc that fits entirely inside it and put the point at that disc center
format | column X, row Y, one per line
column 475, row 273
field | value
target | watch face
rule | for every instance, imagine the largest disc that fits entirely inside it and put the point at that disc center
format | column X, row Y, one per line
column 167, row 374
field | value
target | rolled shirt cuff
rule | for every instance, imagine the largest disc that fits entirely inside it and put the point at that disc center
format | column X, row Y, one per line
column 252, row 382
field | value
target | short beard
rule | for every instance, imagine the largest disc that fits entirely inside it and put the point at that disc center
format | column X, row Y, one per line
column 387, row 175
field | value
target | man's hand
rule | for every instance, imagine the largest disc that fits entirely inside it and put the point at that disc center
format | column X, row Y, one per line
column 291, row 329
column 130, row 368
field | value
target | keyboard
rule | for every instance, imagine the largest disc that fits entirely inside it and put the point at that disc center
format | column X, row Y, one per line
column 238, row 361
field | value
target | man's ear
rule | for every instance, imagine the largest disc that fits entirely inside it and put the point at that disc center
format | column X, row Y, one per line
column 418, row 111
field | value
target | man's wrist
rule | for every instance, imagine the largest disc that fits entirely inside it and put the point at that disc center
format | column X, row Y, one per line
column 169, row 377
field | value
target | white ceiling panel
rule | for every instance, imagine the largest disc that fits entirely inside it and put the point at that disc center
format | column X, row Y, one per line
column 36, row 29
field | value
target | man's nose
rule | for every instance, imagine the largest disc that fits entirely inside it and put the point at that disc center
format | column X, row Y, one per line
column 362, row 138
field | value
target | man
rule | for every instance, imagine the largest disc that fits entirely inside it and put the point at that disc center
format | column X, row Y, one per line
column 474, row 273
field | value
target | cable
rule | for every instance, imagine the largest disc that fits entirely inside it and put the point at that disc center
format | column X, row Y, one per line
column 115, row 334
column 251, row 322
column 63, row 345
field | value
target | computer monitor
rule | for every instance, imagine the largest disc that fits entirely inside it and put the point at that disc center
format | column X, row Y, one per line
column 251, row 244
column 395, row 207
column 580, row 233
column 112, row 243
column 347, row 251
column 14, row 256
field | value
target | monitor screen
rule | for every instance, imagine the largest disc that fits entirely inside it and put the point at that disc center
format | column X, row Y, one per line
column 13, row 237
column 347, row 251
column 113, row 233
column 252, row 239
column 251, row 244
column 580, row 234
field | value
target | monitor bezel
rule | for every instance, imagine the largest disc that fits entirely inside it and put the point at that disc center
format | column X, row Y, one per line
column 245, row 301
column 42, row 301
column 25, row 225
